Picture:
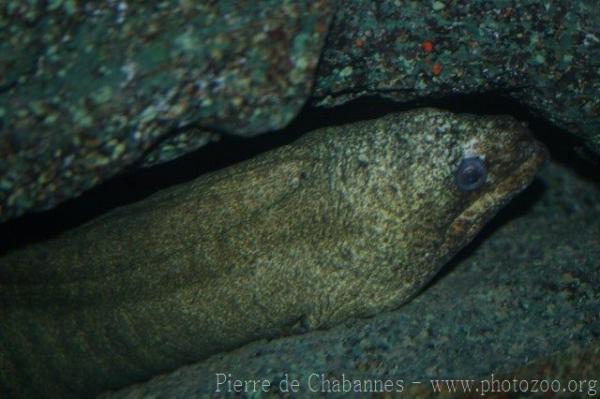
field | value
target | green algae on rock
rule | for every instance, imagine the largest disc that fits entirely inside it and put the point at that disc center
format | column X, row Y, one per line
column 346, row 222
column 87, row 88
column 544, row 54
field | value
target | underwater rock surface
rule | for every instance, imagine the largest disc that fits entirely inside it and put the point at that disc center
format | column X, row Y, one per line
column 545, row 54
column 87, row 90
column 525, row 292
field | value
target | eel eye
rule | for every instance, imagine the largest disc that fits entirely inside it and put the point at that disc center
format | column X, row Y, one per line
column 471, row 174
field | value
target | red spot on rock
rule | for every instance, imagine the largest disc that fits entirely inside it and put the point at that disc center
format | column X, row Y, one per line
column 437, row 68
column 427, row 46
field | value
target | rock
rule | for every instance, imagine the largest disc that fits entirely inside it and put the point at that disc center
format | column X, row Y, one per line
column 544, row 55
column 86, row 91
column 87, row 88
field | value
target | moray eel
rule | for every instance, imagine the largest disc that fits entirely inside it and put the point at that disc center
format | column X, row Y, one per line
column 346, row 222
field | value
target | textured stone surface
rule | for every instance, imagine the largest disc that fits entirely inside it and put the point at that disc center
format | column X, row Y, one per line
column 527, row 290
column 87, row 88
column 570, row 373
column 348, row 221
column 546, row 54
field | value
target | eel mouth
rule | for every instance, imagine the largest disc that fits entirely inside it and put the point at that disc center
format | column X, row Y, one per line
column 470, row 221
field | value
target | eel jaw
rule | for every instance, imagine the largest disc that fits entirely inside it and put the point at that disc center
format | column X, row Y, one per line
column 470, row 221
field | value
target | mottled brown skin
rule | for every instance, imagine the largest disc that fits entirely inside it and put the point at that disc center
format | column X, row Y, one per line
column 346, row 222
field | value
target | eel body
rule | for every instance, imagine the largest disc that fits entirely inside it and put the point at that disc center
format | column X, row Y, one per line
column 345, row 222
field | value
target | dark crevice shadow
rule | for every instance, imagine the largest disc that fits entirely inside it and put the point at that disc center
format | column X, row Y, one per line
column 134, row 185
